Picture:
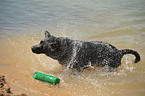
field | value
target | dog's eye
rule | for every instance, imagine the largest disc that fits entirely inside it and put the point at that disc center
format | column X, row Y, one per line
column 53, row 45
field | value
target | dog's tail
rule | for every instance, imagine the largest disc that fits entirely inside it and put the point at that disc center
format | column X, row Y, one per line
column 129, row 51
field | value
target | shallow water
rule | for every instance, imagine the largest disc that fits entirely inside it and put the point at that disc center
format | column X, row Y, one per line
column 121, row 23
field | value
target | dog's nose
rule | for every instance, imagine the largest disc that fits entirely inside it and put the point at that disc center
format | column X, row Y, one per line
column 32, row 47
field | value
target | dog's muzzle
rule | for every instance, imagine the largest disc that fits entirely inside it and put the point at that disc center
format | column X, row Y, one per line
column 37, row 49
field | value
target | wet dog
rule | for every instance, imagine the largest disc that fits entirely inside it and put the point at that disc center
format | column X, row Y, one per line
column 79, row 55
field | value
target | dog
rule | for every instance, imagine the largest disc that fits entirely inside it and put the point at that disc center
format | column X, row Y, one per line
column 79, row 55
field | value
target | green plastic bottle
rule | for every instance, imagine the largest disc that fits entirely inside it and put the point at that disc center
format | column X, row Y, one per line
column 46, row 78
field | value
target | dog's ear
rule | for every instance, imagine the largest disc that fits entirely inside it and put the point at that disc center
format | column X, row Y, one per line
column 47, row 34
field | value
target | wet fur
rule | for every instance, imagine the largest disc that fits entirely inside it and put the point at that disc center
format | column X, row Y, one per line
column 79, row 55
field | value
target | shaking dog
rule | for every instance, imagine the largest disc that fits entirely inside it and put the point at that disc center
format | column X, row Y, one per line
column 79, row 55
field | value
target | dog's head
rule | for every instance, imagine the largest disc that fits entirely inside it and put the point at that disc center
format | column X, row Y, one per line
column 49, row 46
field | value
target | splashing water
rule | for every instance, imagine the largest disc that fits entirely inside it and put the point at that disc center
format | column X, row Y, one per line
column 127, row 63
column 77, row 44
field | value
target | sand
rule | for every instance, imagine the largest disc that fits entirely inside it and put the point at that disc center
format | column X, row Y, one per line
column 5, row 89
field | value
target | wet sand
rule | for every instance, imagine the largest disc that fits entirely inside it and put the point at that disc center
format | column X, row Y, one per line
column 5, row 90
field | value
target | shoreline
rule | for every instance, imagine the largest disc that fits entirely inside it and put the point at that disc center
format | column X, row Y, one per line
column 5, row 90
